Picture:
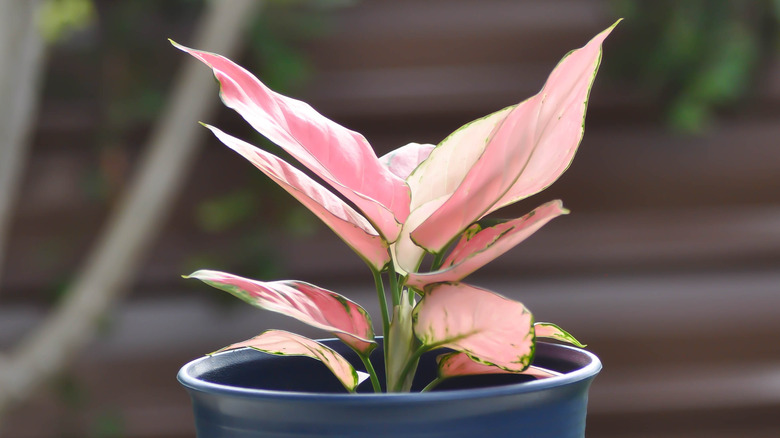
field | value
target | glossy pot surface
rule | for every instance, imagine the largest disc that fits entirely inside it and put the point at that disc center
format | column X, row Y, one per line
column 245, row 393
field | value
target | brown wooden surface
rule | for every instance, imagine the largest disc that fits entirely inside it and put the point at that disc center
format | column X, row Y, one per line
column 668, row 266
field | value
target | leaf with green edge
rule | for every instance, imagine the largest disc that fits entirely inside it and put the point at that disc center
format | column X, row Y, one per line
column 488, row 327
column 440, row 174
column 460, row 364
column 341, row 157
column 305, row 302
column 527, row 151
column 552, row 331
column 283, row 343
column 479, row 246
column 561, row 116
column 347, row 223
column 405, row 159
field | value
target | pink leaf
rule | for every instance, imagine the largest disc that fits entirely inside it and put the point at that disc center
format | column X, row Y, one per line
column 282, row 343
column 529, row 148
column 561, row 110
column 348, row 224
column 552, row 331
column 305, row 302
column 338, row 155
column 487, row 327
column 460, row 364
column 405, row 159
column 479, row 246
column 452, row 159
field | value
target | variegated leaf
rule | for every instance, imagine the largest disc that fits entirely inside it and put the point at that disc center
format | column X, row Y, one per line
column 552, row 331
column 336, row 154
column 478, row 246
column 529, row 148
column 348, row 224
column 460, row 364
column 283, row 343
column 305, row 302
column 489, row 328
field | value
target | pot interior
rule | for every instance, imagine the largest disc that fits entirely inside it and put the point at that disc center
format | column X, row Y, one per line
column 252, row 369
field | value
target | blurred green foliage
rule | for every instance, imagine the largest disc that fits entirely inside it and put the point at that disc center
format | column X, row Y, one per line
column 58, row 18
column 696, row 56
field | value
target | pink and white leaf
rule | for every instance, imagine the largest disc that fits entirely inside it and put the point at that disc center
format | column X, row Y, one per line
column 283, row 343
column 561, row 107
column 405, row 159
column 338, row 155
column 489, row 328
column 440, row 174
column 552, row 331
column 407, row 255
column 478, row 246
column 305, row 302
column 460, row 364
column 528, row 150
column 347, row 223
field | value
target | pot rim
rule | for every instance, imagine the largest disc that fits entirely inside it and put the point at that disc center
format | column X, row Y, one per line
column 589, row 371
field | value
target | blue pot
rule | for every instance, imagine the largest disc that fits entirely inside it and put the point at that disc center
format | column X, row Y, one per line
column 245, row 393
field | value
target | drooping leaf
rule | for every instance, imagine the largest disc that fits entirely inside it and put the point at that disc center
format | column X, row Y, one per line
column 348, row 224
column 338, row 155
column 552, row 331
column 478, row 246
column 460, row 364
column 283, row 343
column 305, row 302
column 489, row 328
column 405, row 159
column 526, row 151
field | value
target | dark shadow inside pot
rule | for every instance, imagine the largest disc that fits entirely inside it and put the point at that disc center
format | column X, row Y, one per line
column 252, row 369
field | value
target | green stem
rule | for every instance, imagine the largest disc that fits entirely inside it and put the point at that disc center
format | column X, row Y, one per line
column 434, row 383
column 380, row 291
column 437, row 259
column 394, row 289
column 371, row 372
column 410, row 363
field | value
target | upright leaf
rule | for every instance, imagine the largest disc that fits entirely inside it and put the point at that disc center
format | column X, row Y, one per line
column 405, row 159
column 348, row 224
column 338, row 155
column 305, row 302
column 489, row 328
column 561, row 109
column 530, row 148
column 478, row 246
column 282, row 343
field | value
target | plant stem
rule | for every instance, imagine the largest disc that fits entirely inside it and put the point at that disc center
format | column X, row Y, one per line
column 371, row 372
column 394, row 289
column 380, row 291
column 437, row 259
column 411, row 363
column 434, row 383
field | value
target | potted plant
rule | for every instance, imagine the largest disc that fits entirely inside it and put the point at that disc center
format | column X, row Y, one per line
column 418, row 218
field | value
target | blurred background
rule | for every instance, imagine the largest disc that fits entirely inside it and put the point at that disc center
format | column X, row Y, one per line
column 668, row 266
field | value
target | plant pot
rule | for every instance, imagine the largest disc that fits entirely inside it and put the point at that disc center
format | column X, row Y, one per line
column 245, row 393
